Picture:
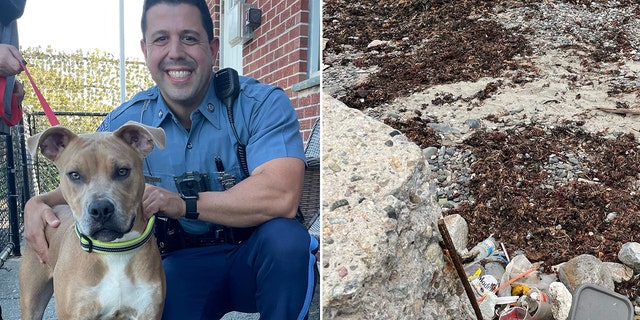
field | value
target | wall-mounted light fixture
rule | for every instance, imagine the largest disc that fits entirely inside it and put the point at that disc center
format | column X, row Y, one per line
column 244, row 19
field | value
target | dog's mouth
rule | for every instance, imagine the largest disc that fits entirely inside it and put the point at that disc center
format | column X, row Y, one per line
column 107, row 232
column 106, row 235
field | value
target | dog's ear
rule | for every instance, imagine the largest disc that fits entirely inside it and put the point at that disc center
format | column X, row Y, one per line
column 50, row 142
column 141, row 137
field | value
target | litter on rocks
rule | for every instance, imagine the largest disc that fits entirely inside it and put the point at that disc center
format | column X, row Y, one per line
column 517, row 289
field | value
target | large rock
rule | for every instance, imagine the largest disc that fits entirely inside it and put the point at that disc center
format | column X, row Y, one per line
column 629, row 254
column 585, row 269
column 619, row 272
column 458, row 231
column 561, row 300
column 381, row 257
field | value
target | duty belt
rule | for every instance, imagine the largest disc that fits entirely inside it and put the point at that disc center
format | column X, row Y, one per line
column 171, row 236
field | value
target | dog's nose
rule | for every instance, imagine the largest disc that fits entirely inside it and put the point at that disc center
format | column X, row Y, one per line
column 101, row 210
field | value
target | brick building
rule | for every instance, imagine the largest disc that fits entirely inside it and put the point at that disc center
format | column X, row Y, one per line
column 283, row 49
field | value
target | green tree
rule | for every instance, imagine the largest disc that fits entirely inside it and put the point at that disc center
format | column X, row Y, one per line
column 83, row 81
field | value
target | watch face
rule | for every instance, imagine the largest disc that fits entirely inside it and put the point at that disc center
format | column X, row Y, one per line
column 189, row 188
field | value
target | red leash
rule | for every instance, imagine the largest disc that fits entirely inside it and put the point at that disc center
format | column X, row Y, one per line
column 45, row 106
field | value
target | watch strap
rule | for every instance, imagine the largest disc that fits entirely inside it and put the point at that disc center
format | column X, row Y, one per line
column 192, row 207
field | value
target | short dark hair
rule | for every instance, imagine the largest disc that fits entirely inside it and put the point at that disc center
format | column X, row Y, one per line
column 205, row 15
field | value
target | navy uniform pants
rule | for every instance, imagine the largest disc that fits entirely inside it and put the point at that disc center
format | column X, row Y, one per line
column 271, row 273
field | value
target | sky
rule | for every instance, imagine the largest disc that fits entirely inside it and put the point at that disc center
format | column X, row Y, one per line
column 69, row 25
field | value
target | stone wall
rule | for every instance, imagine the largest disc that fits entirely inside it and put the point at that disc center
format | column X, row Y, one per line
column 381, row 257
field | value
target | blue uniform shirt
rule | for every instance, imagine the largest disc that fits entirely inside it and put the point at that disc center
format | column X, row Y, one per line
column 264, row 118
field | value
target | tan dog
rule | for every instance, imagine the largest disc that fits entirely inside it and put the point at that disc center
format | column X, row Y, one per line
column 102, row 181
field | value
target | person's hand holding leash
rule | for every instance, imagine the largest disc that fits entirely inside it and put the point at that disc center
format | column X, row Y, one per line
column 10, row 60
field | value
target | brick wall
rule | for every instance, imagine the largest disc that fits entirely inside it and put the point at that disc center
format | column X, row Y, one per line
column 214, row 9
column 277, row 54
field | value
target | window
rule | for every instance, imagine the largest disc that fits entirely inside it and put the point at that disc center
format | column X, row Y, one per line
column 313, row 53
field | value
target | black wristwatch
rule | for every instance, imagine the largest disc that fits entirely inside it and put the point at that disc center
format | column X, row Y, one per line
column 192, row 206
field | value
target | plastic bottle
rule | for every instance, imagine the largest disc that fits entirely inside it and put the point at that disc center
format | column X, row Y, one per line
column 484, row 248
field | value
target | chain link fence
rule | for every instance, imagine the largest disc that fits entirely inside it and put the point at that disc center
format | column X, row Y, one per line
column 25, row 176
column 12, row 196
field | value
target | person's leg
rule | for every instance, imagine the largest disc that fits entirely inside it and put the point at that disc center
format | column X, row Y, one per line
column 273, row 271
column 196, row 279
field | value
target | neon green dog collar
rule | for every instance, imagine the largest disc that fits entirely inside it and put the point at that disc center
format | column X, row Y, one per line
column 92, row 245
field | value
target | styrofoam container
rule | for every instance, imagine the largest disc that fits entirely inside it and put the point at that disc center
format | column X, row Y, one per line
column 593, row 302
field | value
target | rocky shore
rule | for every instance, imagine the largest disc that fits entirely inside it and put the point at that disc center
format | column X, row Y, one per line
column 526, row 112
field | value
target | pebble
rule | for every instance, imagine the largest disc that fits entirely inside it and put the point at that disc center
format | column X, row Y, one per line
column 339, row 203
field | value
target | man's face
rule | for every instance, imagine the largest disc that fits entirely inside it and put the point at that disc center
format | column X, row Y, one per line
column 178, row 53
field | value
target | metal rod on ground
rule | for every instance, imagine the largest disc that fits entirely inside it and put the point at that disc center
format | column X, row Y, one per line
column 4, row 255
column 457, row 263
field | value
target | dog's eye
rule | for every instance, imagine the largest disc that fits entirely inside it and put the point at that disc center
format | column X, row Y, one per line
column 122, row 172
column 73, row 175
